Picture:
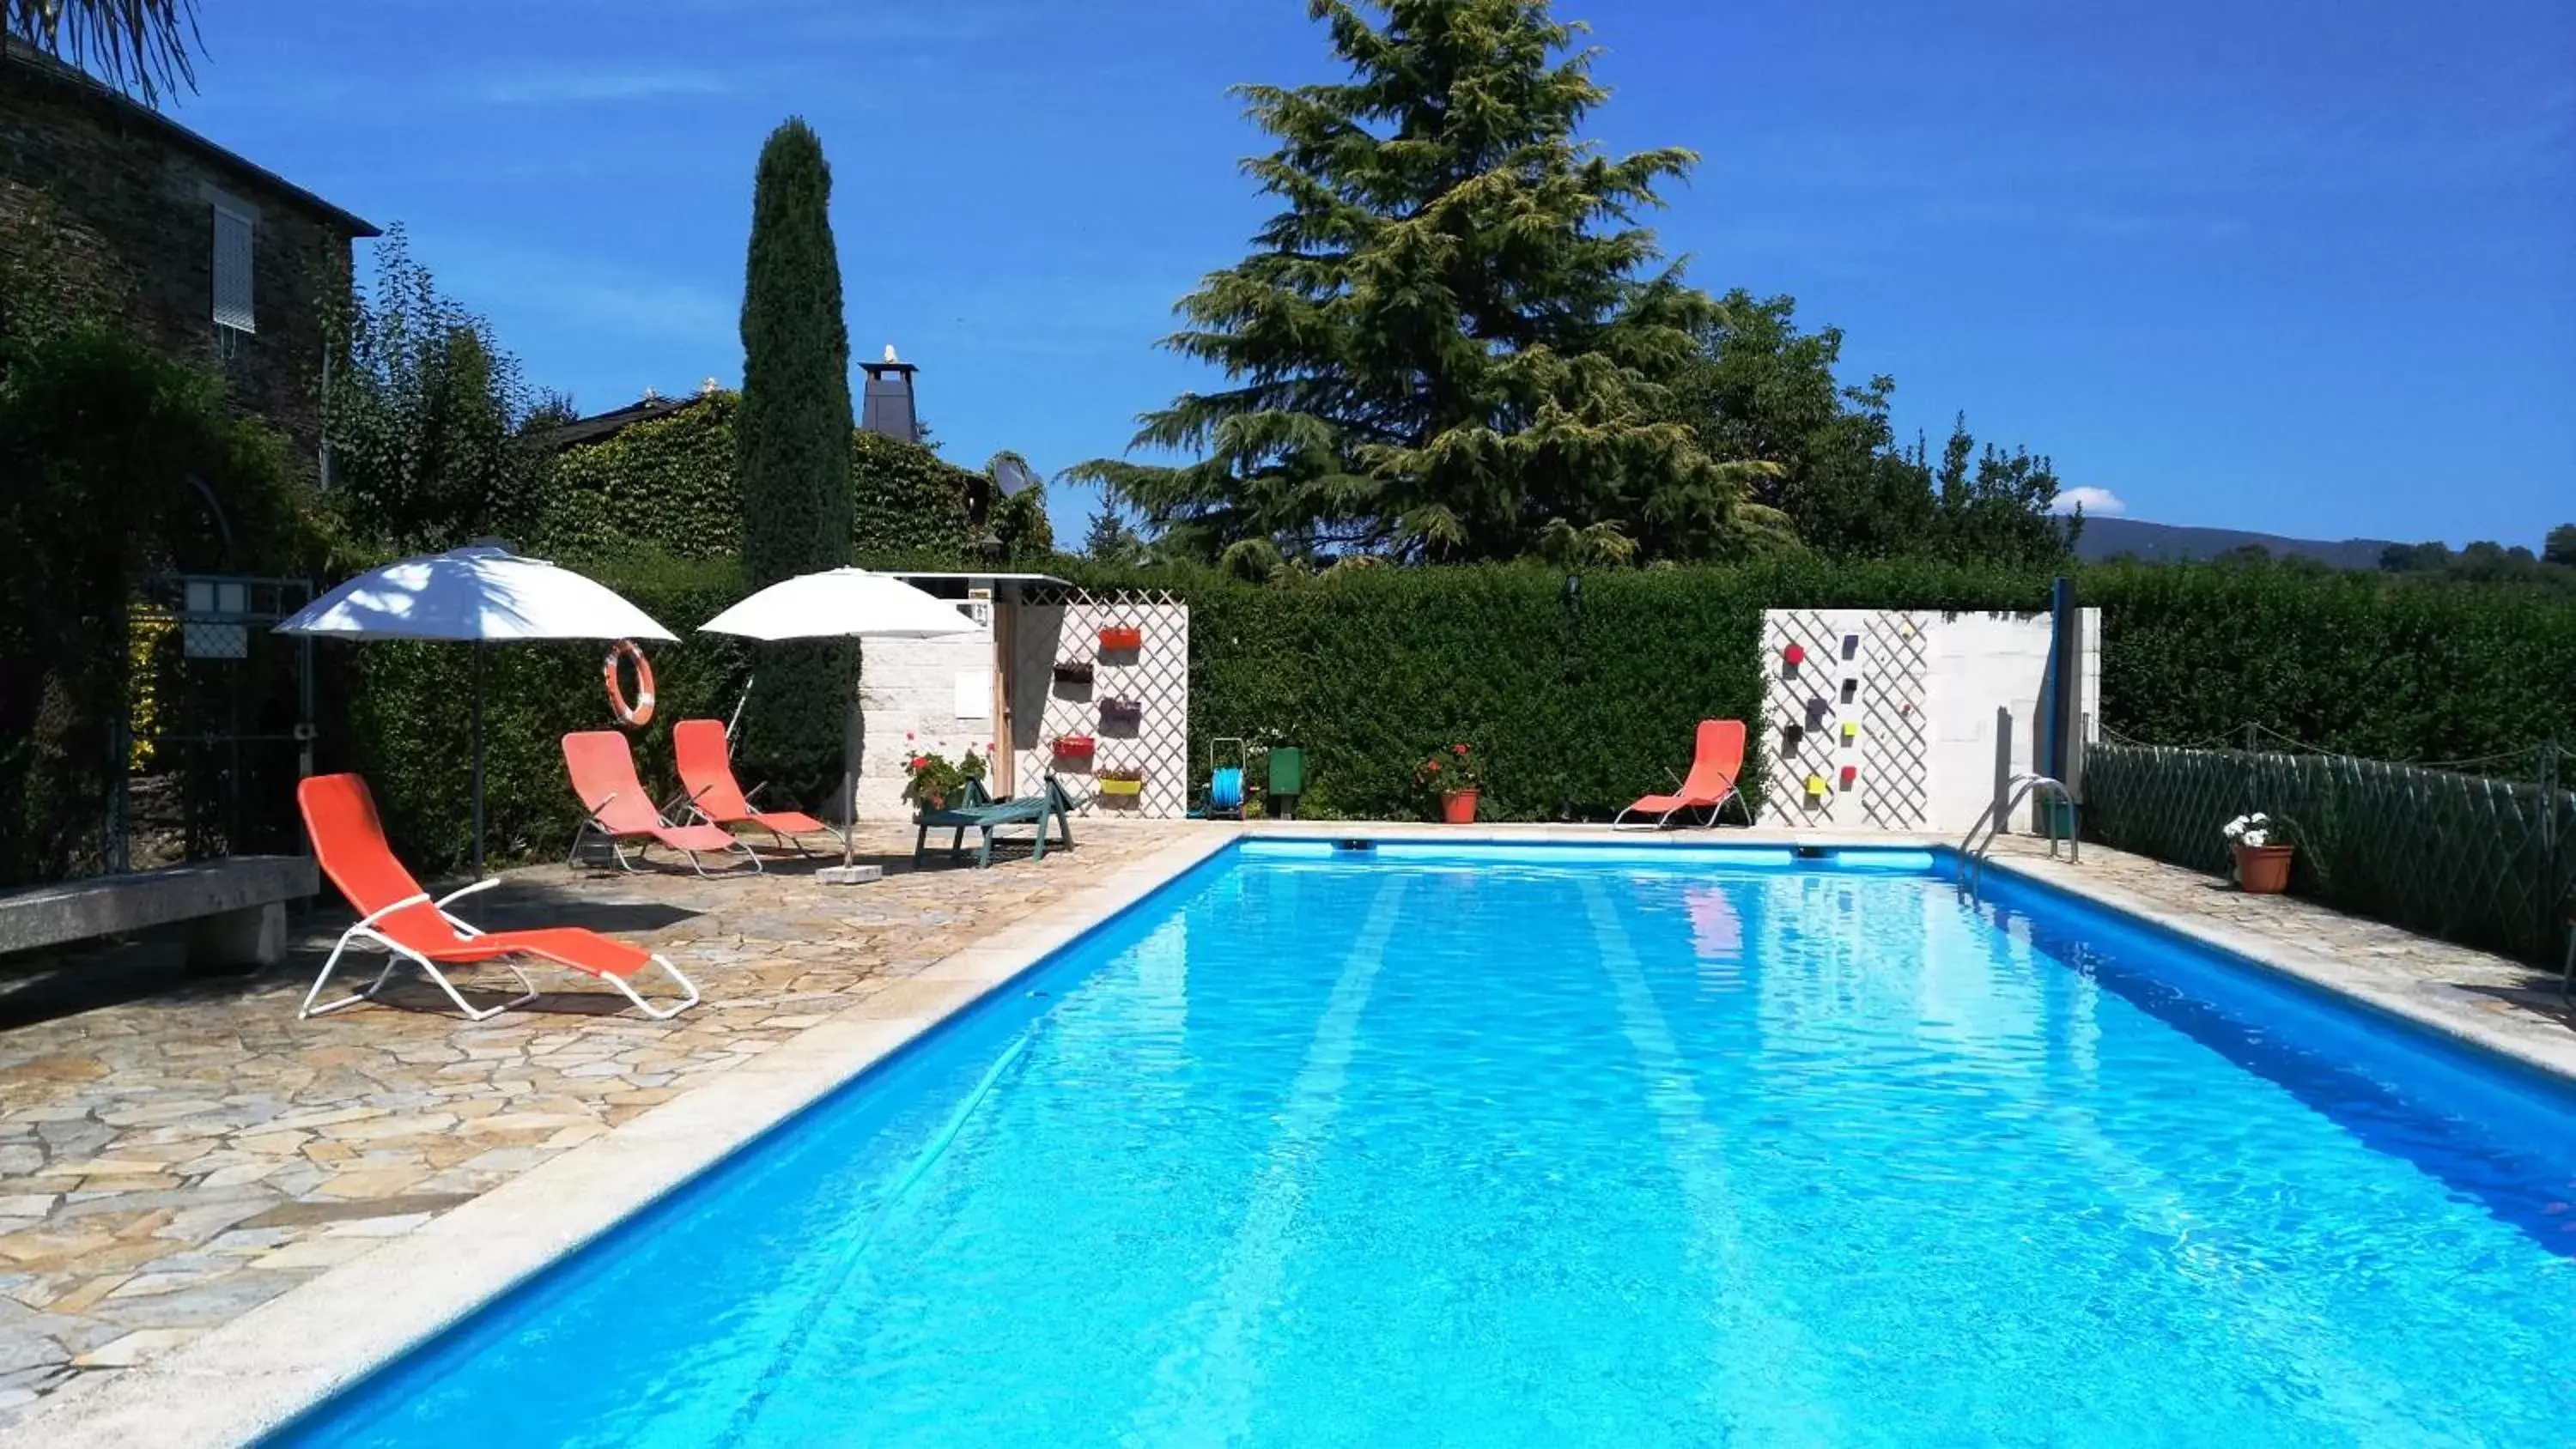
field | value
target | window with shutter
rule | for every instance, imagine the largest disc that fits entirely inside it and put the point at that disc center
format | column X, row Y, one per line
column 233, row 232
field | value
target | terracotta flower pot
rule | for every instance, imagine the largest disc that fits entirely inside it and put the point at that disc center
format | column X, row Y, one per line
column 1459, row 808
column 2263, row 870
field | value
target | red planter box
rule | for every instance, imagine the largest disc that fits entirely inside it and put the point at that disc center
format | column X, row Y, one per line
column 1073, row 747
column 1122, row 636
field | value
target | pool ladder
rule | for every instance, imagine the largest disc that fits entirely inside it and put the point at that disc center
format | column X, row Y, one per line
column 1972, row 850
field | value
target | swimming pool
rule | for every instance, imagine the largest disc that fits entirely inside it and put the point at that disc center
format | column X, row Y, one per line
column 1512, row 1145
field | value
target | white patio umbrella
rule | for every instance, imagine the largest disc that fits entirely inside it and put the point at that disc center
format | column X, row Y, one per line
column 478, row 595
column 843, row 603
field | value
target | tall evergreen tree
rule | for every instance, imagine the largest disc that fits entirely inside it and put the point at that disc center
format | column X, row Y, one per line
column 792, row 442
column 1454, row 342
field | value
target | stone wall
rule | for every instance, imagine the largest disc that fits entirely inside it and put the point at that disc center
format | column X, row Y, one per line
column 117, row 198
column 933, row 695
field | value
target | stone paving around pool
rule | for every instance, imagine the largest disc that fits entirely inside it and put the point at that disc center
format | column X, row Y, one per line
column 176, row 1151
column 187, row 1149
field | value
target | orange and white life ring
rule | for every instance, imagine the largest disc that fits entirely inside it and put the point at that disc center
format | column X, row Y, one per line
column 639, row 714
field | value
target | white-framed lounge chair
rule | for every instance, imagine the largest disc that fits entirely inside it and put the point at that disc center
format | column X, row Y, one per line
column 396, row 916
column 616, row 809
column 705, row 761
column 1718, row 759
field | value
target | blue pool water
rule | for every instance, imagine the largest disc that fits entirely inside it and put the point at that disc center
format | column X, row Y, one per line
column 1568, row 1147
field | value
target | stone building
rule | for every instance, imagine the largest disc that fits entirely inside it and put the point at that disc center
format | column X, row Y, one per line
column 206, row 254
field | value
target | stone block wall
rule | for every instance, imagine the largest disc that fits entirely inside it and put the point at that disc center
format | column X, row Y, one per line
column 910, row 691
column 122, row 202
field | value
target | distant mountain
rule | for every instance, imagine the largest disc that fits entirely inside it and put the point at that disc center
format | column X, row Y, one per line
column 2170, row 542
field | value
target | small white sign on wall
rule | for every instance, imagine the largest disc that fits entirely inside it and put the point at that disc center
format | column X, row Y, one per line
column 974, row 694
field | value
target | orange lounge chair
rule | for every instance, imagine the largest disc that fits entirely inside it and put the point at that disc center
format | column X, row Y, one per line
column 1711, row 784
column 698, row 746
column 396, row 914
column 616, row 809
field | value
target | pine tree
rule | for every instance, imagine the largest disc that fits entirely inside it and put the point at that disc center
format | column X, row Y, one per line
column 1109, row 539
column 1454, row 342
column 792, row 442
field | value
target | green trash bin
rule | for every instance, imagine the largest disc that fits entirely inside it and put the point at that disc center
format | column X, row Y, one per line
column 1287, row 780
column 2056, row 817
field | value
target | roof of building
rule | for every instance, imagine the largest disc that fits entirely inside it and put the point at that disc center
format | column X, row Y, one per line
column 41, row 66
column 600, row 425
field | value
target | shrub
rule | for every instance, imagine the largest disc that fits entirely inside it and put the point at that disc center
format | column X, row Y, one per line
column 111, row 455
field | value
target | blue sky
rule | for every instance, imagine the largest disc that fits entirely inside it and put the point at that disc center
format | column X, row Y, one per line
column 2307, row 266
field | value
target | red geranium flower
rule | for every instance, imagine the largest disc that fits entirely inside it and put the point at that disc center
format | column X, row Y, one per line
column 1432, row 765
column 1458, row 749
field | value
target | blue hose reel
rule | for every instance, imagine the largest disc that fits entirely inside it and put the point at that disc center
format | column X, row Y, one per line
column 1225, row 788
column 1225, row 782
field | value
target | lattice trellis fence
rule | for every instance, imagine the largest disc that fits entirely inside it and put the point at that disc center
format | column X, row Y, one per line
column 1065, row 624
column 1878, row 687
column 2483, row 861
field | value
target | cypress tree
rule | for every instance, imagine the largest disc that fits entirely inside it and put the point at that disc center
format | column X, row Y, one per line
column 792, row 443
column 1453, row 342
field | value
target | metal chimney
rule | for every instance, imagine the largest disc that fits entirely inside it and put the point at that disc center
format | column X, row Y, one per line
column 887, row 407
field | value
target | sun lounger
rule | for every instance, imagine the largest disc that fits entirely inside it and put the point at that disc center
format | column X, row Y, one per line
column 981, row 813
column 396, row 915
column 699, row 748
column 615, row 807
column 1719, row 758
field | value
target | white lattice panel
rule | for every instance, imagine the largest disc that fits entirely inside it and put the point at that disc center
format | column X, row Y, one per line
column 1850, row 713
column 1056, row 627
column 1896, row 778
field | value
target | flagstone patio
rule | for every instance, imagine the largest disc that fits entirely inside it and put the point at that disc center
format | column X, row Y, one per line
column 176, row 1150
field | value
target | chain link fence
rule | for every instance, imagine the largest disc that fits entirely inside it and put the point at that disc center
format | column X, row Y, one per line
column 2482, row 859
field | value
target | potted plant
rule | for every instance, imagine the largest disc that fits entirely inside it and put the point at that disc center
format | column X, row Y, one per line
column 1125, row 781
column 1073, row 671
column 1453, row 776
column 2263, row 852
column 931, row 779
column 1117, row 711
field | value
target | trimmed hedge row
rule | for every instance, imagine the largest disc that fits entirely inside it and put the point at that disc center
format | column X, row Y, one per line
column 1577, row 701
column 2348, row 662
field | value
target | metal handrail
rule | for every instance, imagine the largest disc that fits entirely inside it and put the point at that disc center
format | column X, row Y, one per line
column 1972, row 852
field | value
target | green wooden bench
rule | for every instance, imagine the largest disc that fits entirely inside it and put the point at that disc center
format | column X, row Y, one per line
column 983, row 814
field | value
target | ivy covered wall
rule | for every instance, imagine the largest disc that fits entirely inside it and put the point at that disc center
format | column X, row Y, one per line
column 666, row 486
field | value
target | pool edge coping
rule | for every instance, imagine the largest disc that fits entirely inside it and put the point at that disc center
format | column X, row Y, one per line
column 254, row 1375
column 257, row 1373
column 2524, row 1045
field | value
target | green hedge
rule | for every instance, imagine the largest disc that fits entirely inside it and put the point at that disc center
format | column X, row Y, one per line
column 1578, row 703
column 2350, row 662
column 1577, row 707
column 667, row 486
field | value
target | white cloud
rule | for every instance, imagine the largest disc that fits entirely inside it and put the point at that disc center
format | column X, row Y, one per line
column 2098, row 502
column 550, row 87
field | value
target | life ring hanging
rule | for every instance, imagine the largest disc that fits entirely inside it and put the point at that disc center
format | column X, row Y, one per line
column 639, row 714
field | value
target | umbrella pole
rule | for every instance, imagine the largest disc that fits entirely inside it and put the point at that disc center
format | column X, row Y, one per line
column 849, row 766
column 478, row 760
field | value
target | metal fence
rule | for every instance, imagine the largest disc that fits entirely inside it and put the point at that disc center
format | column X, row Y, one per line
column 2482, row 859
